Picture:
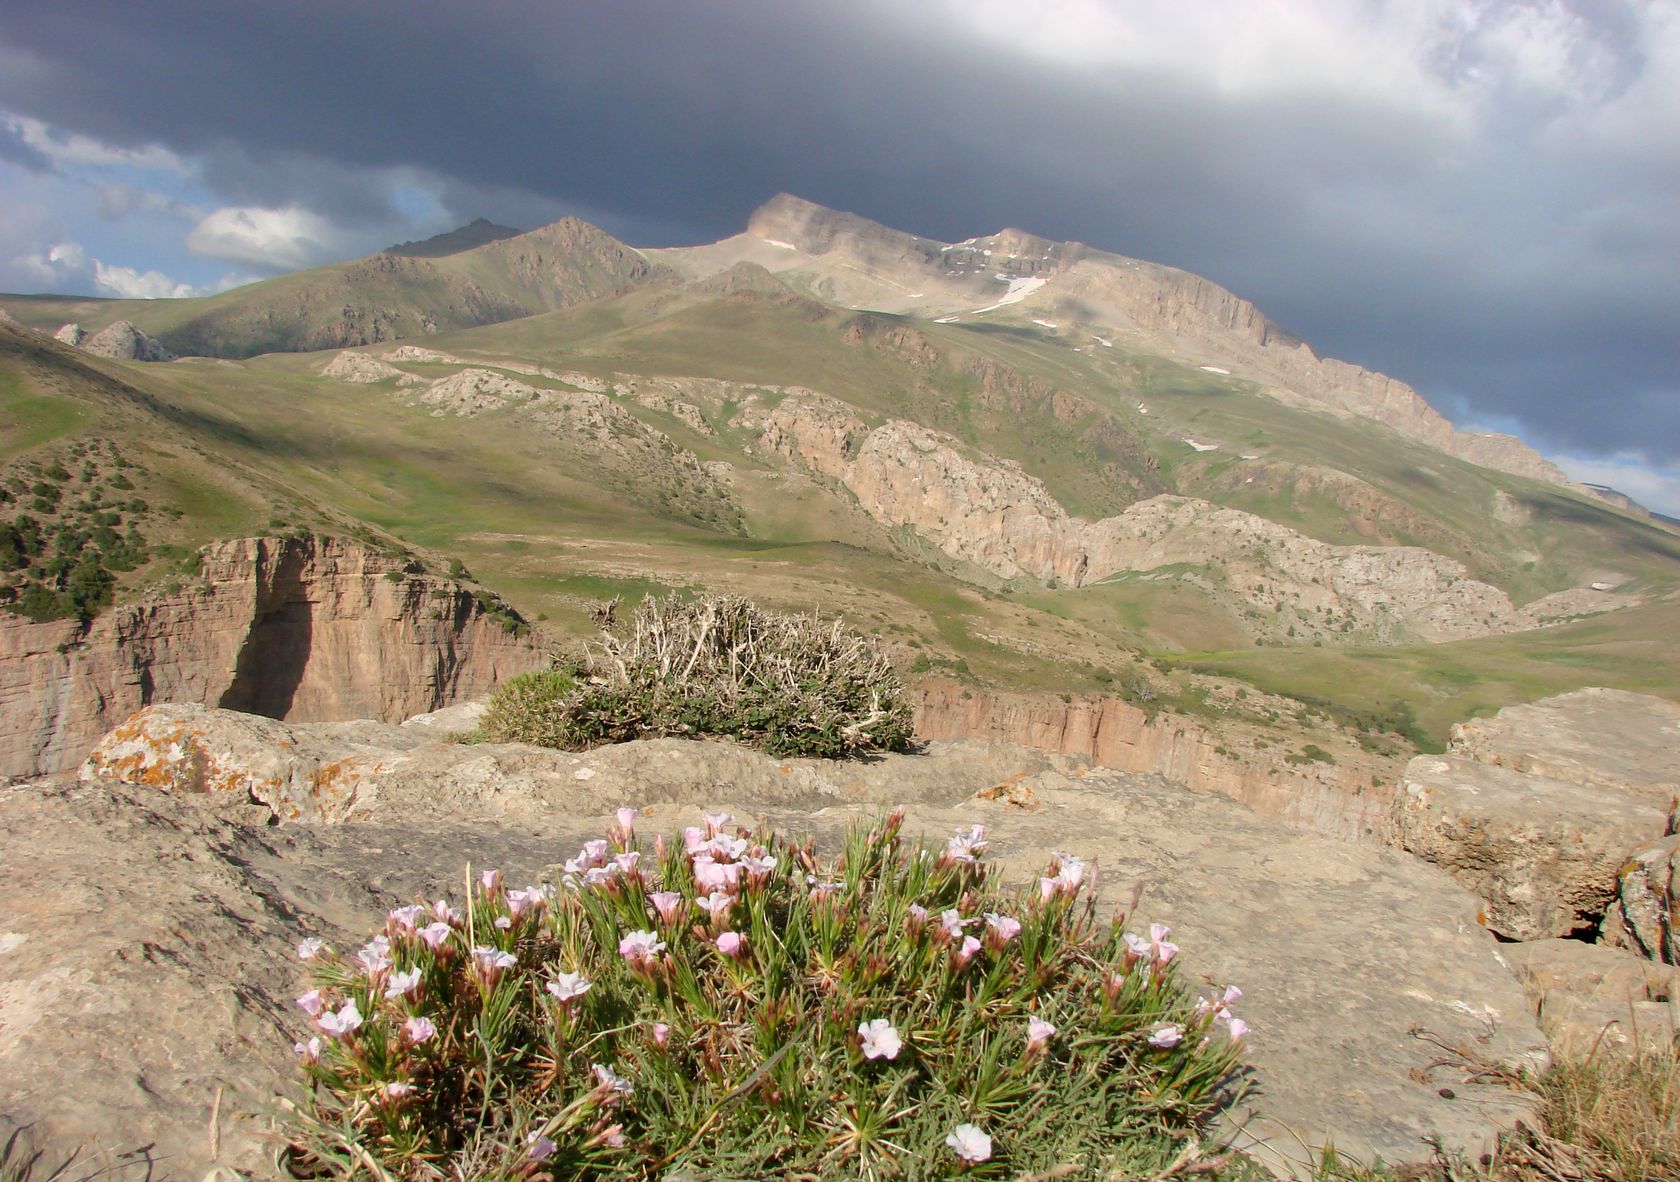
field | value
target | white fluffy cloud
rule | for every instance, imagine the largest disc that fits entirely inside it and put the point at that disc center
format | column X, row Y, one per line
column 277, row 239
column 127, row 283
column 67, row 267
column 69, row 148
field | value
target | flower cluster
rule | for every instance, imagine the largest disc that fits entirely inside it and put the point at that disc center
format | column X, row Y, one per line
column 857, row 1014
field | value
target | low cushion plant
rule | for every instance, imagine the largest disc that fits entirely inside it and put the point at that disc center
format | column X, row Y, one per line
column 730, row 1005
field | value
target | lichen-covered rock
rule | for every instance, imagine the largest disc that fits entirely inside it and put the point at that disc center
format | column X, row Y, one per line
column 1646, row 914
column 1587, row 995
column 124, row 341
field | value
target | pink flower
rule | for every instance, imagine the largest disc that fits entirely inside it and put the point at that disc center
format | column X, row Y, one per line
column 717, row 905
column 711, row 875
column 309, row 1052
column 503, row 923
column 667, row 905
column 639, row 948
column 1166, row 1036
column 966, row 847
column 758, row 868
column 966, row 951
column 595, row 852
column 375, row 955
column 491, row 881
column 879, row 1040
column 418, row 1030
column 312, row 1003
column 626, row 862
column 529, row 899
column 610, row 1081
column 1071, row 870
column 406, row 918
column 1236, row 1028
column 1137, row 948
column 732, row 945
column 310, row 948
column 693, row 838
column 568, row 987
column 611, row 1136
column 342, row 1024
column 539, row 1147
column 951, row 925
column 627, row 819
column 402, row 984
column 1038, row 1033
column 396, row 1089
column 445, row 913
column 715, row 822
column 726, row 847
column 969, row 1143
column 661, row 1034
column 915, row 918
column 1001, row 929
column 492, row 961
column 1159, row 947
column 435, row 934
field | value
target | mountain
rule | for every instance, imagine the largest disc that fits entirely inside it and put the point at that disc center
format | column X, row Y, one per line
column 478, row 232
column 1091, row 474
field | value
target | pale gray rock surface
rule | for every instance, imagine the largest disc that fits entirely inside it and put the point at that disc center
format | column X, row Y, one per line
column 1587, row 995
column 166, row 971
column 1541, row 853
column 1538, row 808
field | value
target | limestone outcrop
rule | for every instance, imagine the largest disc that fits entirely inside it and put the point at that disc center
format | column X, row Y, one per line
column 299, row 628
column 167, row 968
column 993, row 515
column 1538, row 809
column 123, row 341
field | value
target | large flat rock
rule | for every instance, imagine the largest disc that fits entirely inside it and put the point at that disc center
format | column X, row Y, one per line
column 147, row 957
column 1537, row 808
column 1612, row 738
column 1542, row 854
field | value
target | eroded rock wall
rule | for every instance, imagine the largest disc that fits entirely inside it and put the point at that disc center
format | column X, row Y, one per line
column 304, row 629
column 1338, row 802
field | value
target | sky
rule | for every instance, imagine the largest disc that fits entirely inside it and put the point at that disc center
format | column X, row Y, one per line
column 1479, row 197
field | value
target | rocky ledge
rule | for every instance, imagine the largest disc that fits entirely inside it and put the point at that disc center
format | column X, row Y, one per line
column 152, row 908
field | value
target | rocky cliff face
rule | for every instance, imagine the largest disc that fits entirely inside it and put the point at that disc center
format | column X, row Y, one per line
column 1336, row 801
column 992, row 514
column 305, row 629
column 122, row 341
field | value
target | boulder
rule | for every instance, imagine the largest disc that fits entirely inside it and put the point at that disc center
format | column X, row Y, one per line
column 1646, row 914
column 167, row 963
column 70, row 334
column 1537, row 808
column 1587, row 995
column 1541, row 853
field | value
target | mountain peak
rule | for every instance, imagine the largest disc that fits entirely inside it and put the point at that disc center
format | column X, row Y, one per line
column 478, row 232
column 814, row 229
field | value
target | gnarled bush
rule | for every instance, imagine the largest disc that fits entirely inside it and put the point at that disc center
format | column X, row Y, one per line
column 793, row 685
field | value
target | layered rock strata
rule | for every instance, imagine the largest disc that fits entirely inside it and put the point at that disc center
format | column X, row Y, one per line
column 298, row 628
column 1335, row 801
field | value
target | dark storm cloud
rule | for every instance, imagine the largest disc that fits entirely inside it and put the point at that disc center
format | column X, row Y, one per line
column 1503, row 281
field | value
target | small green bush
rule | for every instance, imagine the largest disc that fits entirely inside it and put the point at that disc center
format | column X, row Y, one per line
column 729, row 1006
column 527, row 708
column 720, row 666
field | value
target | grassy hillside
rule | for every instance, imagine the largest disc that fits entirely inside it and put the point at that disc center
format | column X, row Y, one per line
column 557, row 517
